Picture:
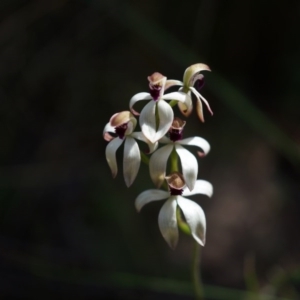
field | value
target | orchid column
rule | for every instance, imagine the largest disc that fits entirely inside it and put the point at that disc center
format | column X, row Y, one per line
column 163, row 132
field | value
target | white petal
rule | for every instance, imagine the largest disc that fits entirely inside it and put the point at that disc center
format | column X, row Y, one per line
column 165, row 140
column 199, row 110
column 158, row 163
column 131, row 126
column 199, row 106
column 189, row 166
column 196, row 141
column 140, row 136
column 110, row 153
column 149, row 196
column 197, row 94
column 194, row 217
column 108, row 128
column 186, row 107
column 172, row 82
column 167, row 222
column 179, row 96
column 192, row 70
column 201, row 187
column 131, row 160
column 166, row 116
column 148, row 121
column 136, row 98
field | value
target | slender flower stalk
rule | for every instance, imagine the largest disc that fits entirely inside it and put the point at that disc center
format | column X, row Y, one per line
column 196, row 277
column 184, row 227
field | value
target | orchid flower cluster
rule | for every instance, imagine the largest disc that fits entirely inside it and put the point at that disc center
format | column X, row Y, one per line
column 163, row 133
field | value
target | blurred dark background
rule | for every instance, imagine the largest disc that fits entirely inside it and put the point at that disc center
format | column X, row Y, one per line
column 69, row 229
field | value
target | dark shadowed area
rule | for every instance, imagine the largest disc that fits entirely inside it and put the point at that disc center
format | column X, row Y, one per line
column 68, row 229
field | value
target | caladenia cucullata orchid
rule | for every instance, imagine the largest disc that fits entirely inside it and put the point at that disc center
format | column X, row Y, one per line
column 169, row 215
column 189, row 164
column 123, row 124
column 192, row 82
column 157, row 115
column 167, row 154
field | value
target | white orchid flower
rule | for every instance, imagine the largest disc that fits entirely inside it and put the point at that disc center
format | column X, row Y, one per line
column 167, row 218
column 157, row 115
column 191, row 77
column 123, row 124
column 189, row 164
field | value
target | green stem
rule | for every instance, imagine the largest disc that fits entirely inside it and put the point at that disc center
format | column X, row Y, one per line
column 196, row 278
column 156, row 116
column 145, row 159
column 174, row 161
column 197, row 283
column 250, row 276
column 173, row 103
column 183, row 226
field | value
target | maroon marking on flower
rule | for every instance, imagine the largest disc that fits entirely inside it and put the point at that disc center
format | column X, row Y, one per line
column 175, row 135
column 199, row 84
column 120, row 130
column 155, row 91
column 175, row 192
column 176, row 129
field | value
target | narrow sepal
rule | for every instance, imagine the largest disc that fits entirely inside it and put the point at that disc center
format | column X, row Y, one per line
column 138, row 97
column 189, row 166
column 140, row 136
column 179, row 96
column 166, row 116
column 167, row 222
column 148, row 121
column 201, row 187
column 172, row 82
column 106, row 132
column 199, row 96
column 131, row 160
column 158, row 163
column 110, row 153
column 198, row 142
column 149, row 196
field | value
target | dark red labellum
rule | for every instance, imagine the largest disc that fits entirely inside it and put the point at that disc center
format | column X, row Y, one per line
column 199, row 84
column 175, row 135
column 155, row 91
column 175, row 192
column 120, row 130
